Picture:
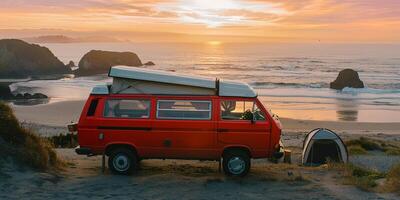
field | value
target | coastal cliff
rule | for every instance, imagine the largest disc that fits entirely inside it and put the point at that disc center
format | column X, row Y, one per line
column 19, row 59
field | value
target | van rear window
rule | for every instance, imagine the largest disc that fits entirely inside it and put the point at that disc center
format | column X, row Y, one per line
column 92, row 107
column 183, row 109
column 127, row 108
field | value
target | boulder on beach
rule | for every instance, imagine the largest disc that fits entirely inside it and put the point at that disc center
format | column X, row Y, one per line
column 19, row 59
column 5, row 92
column 347, row 78
column 99, row 62
column 39, row 96
column 150, row 63
column 30, row 96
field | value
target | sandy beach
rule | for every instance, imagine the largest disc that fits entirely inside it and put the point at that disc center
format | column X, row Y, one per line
column 82, row 177
column 172, row 179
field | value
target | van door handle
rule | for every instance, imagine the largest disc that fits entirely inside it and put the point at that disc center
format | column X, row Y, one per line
column 222, row 130
column 167, row 143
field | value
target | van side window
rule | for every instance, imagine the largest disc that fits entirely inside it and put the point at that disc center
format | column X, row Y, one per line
column 127, row 108
column 240, row 110
column 183, row 109
column 92, row 107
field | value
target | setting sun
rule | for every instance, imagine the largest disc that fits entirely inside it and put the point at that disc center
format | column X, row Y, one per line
column 214, row 43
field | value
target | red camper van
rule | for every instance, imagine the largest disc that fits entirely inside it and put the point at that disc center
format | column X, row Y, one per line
column 147, row 114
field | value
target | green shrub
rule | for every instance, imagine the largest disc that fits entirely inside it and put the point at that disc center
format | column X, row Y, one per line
column 392, row 151
column 393, row 179
column 362, row 145
column 357, row 150
column 23, row 145
column 64, row 141
column 365, row 143
column 363, row 178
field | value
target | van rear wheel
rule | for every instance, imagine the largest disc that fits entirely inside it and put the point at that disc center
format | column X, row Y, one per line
column 122, row 161
column 236, row 163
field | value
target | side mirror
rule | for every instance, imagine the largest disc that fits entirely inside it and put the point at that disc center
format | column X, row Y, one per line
column 253, row 118
column 248, row 115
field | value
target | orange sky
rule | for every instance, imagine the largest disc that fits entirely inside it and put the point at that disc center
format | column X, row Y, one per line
column 207, row 20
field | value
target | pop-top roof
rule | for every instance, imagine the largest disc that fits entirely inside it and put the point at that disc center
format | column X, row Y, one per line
column 140, row 80
column 143, row 74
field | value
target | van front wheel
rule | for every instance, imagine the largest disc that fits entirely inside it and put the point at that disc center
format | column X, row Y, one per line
column 236, row 163
column 122, row 161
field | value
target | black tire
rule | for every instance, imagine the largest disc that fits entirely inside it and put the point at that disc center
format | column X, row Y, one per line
column 122, row 161
column 238, row 158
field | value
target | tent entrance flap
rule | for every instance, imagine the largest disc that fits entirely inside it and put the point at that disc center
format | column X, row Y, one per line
column 323, row 151
column 323, row 145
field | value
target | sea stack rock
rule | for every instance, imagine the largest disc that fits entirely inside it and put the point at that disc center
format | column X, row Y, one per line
column 347, row 78
column 99, row 62
column 19, row 59
column 150, row 63
column 71, row 64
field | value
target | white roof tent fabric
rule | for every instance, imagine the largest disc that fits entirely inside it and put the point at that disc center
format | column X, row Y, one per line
column 134, row 80
column 322, row 144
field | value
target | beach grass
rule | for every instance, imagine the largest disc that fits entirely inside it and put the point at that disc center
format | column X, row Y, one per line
column 23, row 145
column 392, row 183
column 368, row 179
column 64, row 140
column 363, row 178
column 356, row 150
column 364, row 144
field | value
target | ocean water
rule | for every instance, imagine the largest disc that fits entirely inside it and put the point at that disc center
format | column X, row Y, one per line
column 291, row 79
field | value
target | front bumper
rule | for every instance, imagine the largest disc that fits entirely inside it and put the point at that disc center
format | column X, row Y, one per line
column 83, row 151
column 280, row 151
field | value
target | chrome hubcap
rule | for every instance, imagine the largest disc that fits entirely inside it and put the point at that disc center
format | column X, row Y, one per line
column 121, row 163
column 236, row 165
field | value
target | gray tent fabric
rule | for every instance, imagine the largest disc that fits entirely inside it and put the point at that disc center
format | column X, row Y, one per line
column 322, row 144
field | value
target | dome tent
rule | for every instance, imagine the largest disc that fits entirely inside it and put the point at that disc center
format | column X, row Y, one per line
column 321, row 145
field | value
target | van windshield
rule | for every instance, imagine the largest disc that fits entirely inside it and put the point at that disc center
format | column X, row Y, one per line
column 240, row 110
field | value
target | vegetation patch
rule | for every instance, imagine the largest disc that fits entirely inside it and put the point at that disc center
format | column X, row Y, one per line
column 365, row 179
column 356, row 150
column 392, row 183
column 22, row 145
column 64, row 141
column 363, row 145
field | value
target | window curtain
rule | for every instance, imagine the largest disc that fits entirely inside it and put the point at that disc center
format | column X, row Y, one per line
column 201, row 105
column 228, row 106
column 166, row 104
